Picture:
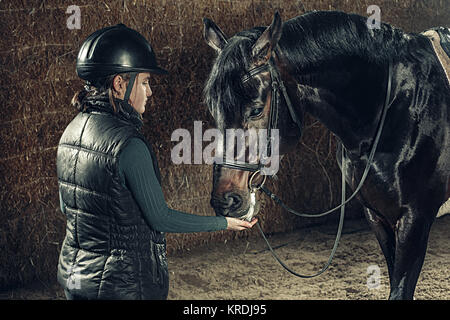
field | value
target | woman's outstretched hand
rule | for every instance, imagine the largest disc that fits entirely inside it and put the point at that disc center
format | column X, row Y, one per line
column 238, row 225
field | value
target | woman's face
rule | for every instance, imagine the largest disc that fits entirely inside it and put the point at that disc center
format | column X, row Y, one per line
column 141, row 90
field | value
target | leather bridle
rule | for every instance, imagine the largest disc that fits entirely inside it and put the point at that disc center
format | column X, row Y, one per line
column 277, row 86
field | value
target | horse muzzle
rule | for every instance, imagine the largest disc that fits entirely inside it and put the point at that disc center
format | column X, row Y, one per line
column 235, row 204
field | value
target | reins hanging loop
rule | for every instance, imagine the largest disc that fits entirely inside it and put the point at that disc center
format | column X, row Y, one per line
column 336, row 241
column 368, row 164
column 343, row 184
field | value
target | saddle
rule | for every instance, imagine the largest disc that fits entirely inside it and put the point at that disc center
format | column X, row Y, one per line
column 440, row 39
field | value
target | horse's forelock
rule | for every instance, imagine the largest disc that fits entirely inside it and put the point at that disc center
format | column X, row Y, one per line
column 223, row 93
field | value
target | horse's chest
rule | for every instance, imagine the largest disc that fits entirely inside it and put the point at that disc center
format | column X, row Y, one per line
column 381, row 190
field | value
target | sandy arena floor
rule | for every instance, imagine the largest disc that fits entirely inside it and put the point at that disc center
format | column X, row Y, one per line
column 246, row 270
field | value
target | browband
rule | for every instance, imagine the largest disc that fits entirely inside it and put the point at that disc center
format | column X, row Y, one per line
column 253, row 72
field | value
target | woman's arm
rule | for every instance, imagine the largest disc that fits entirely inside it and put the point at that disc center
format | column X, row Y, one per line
column 139, row 176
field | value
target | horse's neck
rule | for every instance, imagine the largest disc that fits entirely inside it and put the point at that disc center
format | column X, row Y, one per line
column 347, row 100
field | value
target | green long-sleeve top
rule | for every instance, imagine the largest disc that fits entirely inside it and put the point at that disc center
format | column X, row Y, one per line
column 138, row 175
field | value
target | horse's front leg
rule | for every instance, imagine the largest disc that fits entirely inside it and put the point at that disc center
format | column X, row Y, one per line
column 385, row 236
column 411, row 238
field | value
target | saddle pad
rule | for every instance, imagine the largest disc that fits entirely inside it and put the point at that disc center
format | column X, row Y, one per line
column 444, row 209
column 444, row 33
column 439, row 45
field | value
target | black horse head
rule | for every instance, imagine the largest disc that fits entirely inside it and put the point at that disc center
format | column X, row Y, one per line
column 323, row 58
column 239, row 93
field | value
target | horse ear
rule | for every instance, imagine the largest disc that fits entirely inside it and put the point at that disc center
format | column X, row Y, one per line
column 214, row 37
column 262, row 49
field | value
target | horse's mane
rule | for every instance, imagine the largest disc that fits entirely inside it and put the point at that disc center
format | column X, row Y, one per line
column 308, row 42
column 323, row 36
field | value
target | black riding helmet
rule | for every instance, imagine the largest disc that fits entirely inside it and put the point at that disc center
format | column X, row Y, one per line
column 113, row 50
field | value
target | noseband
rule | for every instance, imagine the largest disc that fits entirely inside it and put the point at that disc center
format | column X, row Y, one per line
column 277, row 86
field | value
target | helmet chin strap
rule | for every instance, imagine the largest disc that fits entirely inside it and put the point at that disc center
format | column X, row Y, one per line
column 130, row 87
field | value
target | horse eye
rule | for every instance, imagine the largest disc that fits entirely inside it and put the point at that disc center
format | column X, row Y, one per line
column 256, row 112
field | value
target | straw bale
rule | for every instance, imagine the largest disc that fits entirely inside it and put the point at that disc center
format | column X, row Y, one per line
column 37, row 58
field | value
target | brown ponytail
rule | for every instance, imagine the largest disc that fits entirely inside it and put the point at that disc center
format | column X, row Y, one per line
column 102, row 87
column 78, row 98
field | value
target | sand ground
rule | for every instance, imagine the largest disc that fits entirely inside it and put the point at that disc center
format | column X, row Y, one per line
column 245, row 269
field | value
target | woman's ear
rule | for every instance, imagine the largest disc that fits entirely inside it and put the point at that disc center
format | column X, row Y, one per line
column 119, row 87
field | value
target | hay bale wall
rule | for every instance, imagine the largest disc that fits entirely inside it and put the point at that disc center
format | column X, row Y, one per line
column 38, row 54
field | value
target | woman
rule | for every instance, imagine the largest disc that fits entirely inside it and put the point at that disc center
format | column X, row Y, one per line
column 109, row 181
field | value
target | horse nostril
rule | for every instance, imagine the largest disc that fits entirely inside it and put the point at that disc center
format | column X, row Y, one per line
column 233, row 200
column 226, row 203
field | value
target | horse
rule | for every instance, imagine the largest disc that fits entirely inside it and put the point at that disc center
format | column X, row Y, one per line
column 346, row 75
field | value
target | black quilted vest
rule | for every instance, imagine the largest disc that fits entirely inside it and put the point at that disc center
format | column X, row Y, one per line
column 109, row 251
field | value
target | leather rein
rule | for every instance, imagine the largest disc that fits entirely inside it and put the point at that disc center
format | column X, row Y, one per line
column 277, row 86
